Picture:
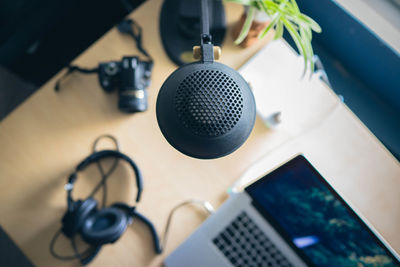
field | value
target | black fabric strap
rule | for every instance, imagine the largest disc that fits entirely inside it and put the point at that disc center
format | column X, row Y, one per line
column 70, row 69
column 133, row 29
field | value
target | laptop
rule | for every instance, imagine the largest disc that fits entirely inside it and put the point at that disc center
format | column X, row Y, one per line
column 289, row 217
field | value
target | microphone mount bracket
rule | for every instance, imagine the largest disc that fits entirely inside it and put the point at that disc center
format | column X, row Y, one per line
column 207, row 49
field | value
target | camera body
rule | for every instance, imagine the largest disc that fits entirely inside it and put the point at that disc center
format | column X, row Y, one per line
column 131, row 77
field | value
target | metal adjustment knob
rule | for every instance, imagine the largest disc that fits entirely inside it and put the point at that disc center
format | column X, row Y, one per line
column 197, row 52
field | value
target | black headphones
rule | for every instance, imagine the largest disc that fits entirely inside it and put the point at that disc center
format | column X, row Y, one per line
column 96, row 226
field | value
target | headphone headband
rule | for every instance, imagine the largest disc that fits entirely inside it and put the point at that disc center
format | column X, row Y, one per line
column 96, row 156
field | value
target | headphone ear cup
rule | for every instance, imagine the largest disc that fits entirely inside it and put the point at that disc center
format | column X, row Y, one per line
column 104, row 226
column 74, row 219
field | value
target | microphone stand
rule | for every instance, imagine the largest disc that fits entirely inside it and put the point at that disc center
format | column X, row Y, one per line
column 207, row 48
column 206, row 52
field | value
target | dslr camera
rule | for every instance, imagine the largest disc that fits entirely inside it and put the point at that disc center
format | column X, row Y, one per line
column 131, row 77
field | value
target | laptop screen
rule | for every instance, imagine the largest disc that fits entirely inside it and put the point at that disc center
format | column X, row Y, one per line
column 315, row 220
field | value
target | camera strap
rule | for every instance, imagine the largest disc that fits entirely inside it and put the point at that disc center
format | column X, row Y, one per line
column 133, row 29
column 129, row 27
column 70, row 69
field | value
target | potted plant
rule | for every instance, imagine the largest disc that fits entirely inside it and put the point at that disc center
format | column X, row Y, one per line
column 282, row 14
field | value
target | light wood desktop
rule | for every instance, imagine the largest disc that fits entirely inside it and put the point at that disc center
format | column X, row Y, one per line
column 43, row 140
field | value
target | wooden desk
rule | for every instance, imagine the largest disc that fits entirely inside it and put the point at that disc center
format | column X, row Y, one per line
column 46, row 137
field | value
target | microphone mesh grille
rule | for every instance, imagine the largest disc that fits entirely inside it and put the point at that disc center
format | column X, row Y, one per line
column 208, row 103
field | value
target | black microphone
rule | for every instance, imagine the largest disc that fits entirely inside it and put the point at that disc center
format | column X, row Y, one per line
column 205, row 109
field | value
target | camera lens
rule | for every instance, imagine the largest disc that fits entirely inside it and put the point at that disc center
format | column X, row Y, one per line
column 133, row 100
column 133, row 94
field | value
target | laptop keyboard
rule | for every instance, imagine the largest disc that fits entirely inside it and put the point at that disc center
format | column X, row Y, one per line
column 244, row 244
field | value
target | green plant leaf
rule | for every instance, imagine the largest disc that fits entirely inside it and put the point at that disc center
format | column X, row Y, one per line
column 314, row 25
column 274, row 20
column 274, row 7
column 298, row 41
column 278, row 30
column 308, row 32
column 284, row 14
column 307, row 45
column 262, row 7
column 295, row 6
column 246, row 26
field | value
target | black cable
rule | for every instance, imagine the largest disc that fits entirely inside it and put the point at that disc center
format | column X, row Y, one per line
column 77, row 254
column 103, row 180
column 74, row 247
column 100, row 167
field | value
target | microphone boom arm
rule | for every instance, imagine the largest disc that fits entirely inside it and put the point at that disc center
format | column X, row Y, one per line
column 207, row 48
